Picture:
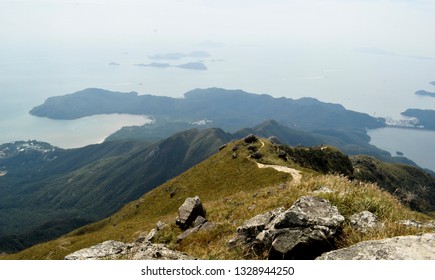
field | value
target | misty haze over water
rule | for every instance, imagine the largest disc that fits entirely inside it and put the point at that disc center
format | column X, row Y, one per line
column 368, row 56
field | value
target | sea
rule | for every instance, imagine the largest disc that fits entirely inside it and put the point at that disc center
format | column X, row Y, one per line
column 381, row 84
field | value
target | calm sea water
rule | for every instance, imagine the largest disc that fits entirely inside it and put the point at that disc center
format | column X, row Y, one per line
column 380, row 85
column 417, row 145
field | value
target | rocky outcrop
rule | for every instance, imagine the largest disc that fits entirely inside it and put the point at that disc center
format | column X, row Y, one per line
column 189, row 211
column 115, row 250
column 157, row 252
column 417, row 224
column 108, row 250
column 251, row 138
column 416, row 247
column 200, row 224
column 364, row 221
column 304, row 231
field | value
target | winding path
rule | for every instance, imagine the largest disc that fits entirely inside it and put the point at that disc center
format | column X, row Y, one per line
column 296, row 174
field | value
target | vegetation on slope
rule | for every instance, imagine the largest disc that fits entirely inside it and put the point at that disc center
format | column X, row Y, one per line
column 234, row 189
column 88, row 184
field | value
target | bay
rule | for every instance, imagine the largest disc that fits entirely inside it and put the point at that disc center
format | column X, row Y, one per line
column 415, row 144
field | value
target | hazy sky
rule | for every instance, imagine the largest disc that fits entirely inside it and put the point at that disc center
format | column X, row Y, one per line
column 400, row 26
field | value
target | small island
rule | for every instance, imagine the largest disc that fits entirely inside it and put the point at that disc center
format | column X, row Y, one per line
column 154, row 64
column 432, row 83
column 193, row 66
column 425, row 93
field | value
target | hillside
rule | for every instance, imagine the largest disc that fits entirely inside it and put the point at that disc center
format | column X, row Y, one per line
column 46, row 191
column 69, row 188
column 233, row 189
column 413, row 186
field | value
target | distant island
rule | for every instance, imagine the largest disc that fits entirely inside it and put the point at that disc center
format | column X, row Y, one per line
column 154, row 64
column 432, row 83
column 189, row 66
column 231, row 109
column 426, row 118
column 426, row 93
column 193, row 66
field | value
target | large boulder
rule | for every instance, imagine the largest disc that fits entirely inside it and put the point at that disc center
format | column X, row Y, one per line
column 415, row 247
column 251, row 138
column 189, row 211
column 304, row 231
column 115, row 250
column 109, row 250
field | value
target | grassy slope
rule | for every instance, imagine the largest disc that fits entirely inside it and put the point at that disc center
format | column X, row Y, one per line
column 228, row 187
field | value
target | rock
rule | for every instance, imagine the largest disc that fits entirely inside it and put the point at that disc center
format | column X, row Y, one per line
column 207, row 226
column 115, row 250
column 200, row 224
column 253, row 226
column 364, row 221
column 234, row 155
column 256, row 155
column 310, row 211
column 173, row 193
column 189, row 211
column 107, row 250
column 252, row 207
column 323, row 189
column 304, row 231
column 282, row 155
column 252, row 148
column 247, row 232
column 417, row 224
column 222, row 147
column 415, row 247
column 251, row 138
column 158, row 252
column 199, row 221
column 151, row 235
column 160, row 225
column 187, row 233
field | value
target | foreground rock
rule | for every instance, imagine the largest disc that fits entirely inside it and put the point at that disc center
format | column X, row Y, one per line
column 417, row 224
column 304, row 231
column 188, row 212
column 364, row 221
column 115, row 250
column 415, row 247
column 108, row 250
